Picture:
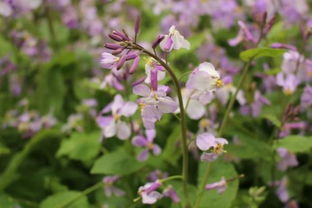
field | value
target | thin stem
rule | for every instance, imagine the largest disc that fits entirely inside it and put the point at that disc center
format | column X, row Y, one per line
column 171, row 178
column 182, row 118
column 202, row 186
column 84, row 193
column 50, row 26
column 233, row 98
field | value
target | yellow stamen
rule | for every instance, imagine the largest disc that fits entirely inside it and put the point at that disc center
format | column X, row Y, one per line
column 116, row 117
column 219, row 83
column 204, row 123
column 218, row 148
column 288, row 92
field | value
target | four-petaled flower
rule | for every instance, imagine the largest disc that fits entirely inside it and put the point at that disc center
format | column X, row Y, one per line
column 147, row 142
column 154, row 103
column 149, row 194
column 112, row 125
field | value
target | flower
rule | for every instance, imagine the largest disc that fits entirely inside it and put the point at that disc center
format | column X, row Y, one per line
column 147, row 142
column 109, row 61
column 112, row 125
column 219, row 186
column 289, row 82
column 148, row 193
column 204, row 78
column 5, row 9
column 172, row 194
column 109, row 188
column 174, row 41
column 287, row 159
column 153, row 68
column 154, row 103
column 306, row 97
column 205, row 141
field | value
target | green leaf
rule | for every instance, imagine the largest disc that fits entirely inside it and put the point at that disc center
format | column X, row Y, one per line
column 119, row 162
column 273, row 119
column 10, row 173
column 81, row 146
column 218, row 170
column 295, row 143
column 260, row 52
column 61, row 199
column 7, row 202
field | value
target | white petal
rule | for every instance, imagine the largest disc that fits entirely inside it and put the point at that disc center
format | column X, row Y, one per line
column 195, row 110
column 123, row 130
column 210, row 69
column 110, row 130
column 128, row 109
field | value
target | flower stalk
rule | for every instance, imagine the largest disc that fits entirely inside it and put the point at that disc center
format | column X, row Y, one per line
column 182, row 115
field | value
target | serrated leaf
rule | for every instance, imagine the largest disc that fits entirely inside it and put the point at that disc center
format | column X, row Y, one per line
column 218, row 170
column 295, row 143
column 119, row 162
column 80, row 146
column 260, row 52
column 61, row 199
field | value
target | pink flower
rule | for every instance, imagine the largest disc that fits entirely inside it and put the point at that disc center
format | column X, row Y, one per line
column 154, row 103
column 113, row 125
column 149, row 194
column 287, row 159
column 172, row 194
column 174, row 40
column 147, row 143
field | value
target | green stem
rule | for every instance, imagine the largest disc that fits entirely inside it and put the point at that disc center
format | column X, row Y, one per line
column 171, row 178
column 50, row 26
column 202, row 186
column 84, row 193
column 233, row 98
column 182, row 119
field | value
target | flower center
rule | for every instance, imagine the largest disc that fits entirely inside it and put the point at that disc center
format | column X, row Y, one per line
column 116, row 117
column 219, row 83
column 218, row 149
column 288, row 91
column 150, row 146
column 141, row 105
column 204, row 123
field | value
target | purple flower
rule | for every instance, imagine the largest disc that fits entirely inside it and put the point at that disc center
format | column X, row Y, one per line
column 289, row 82
column 306, row 97
column 157, row 174
column 154, row 71
column 109, row 61
column 109, row 187
column 173, row 41
column 219, row 186
column 287, row 159
column 112, row 125
column 289, row 126
column 147, row 143
column 154, row 103
column 149, row 194
column 5, row 9
column 172, row 194
column 281, row 190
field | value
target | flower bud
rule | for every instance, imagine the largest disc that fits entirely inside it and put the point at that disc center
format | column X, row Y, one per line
column 115, row 37
column 134, row 65
column 131, row 56
column 157, row 41
column 112, row 46
column 121, row 62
